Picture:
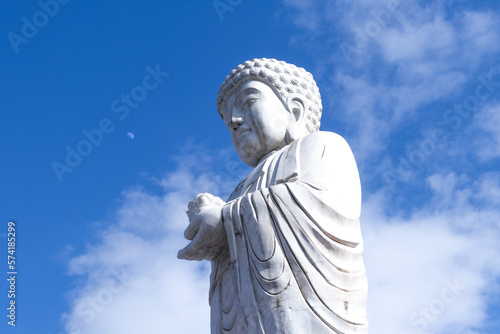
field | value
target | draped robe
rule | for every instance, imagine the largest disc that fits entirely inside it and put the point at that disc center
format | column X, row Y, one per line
column 293, row 259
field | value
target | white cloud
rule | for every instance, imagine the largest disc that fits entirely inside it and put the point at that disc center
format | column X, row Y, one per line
column 488, row 121
column 309, row 10
column 413, row 261
column 131, row 281
column 402, row 59
column 418, row 40
column 377, row 109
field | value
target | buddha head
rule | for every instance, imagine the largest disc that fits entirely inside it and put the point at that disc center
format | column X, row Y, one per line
column 267, row 104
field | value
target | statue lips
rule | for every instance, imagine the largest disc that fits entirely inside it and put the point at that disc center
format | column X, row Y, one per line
column 240, row 132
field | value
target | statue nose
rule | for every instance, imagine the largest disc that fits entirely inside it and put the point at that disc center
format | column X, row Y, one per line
column 236, row 122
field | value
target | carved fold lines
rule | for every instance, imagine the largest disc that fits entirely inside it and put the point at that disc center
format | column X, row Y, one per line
column 333, row 212
column 275, row 161
column 253, row 182
column 304, row 285
column 236, row 216
column 270, row 278
column 274, row 286
column 229, row 228
column 277, row 229
column 229, row 314
column 260, row 180
column 312, row 185
column 268, row 271
column 269, row 259
column 249, row 308
column 273, row 267
column 306, row 246
column 289, row 168
column 350, row 255
column 236, row 190
column 259, row 221
column 229, row 306
column 331, row 318
column 264, row 225
column 227, row 323
column 346, row 279
column 228, row 320
column 219, row 267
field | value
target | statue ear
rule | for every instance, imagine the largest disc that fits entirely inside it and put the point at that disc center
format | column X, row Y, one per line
column 296, row 107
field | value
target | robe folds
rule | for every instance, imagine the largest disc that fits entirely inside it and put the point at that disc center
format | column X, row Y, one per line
column 293, row 260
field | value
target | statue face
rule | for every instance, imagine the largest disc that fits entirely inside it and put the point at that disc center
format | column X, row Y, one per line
column 258, row 121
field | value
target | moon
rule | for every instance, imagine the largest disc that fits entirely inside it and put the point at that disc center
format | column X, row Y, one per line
column 130, row 135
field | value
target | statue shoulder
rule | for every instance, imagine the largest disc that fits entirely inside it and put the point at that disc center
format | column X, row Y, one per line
column 326, row 160
column 315, row 145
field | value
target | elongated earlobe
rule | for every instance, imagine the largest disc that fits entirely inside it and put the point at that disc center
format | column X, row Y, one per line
column 296, row 107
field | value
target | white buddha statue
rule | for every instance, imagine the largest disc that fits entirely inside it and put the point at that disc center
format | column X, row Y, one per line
column 286, row 247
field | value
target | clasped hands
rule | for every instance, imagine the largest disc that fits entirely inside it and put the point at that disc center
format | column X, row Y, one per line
column 205, row 229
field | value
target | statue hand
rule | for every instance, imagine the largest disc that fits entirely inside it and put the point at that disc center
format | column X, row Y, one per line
column 205, row 230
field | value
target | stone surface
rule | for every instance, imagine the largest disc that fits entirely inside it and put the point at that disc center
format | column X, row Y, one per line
column 286, row 247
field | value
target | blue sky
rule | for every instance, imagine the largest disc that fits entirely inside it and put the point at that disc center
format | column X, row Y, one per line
column 413, row 86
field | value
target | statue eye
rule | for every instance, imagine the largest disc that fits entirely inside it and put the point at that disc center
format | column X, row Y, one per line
column 249, row 102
